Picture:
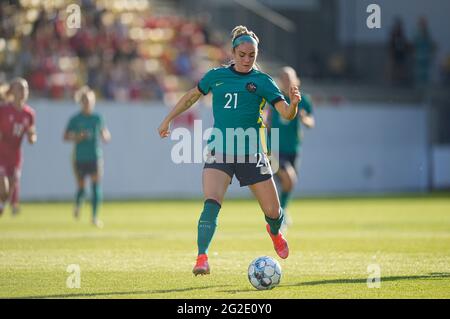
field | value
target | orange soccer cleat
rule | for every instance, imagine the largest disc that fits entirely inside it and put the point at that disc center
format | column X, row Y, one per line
column 279, row 243
column 202, row 266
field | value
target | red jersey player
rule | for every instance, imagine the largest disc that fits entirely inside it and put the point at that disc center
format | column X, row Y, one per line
column 16, row 120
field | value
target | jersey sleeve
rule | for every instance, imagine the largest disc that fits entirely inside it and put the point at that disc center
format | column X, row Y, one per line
column 32, row 116
column 204, row 85
column 306, row 104
column 271, row 92
column 101, row 122
column 71, row 125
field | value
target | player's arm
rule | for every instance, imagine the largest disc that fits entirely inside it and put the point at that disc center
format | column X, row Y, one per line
column 183, row 105
column 31, row 134
column 71, row 136
column 307, row 119
column 106, row 135
column 289, row 111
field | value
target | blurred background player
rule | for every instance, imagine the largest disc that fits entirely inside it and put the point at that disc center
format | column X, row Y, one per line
column 17, row 119
column 290, row 138
column 240, row 92
column 4, row 87
column 85, row 130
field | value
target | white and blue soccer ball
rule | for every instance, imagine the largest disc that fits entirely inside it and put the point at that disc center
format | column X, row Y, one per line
column 264, row 273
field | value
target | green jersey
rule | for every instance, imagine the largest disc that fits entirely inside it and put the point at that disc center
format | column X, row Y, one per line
column 238, row 102
column 89, row 149
column 290, row 132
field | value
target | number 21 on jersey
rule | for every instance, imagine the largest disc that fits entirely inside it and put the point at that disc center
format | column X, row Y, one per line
column 231, row 100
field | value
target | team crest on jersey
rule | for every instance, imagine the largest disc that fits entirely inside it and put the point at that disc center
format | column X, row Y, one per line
column 251, row 87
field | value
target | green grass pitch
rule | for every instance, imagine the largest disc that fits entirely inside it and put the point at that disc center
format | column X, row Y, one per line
column 147, row 250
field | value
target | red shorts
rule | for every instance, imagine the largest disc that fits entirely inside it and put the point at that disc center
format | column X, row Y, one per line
column 10, row 171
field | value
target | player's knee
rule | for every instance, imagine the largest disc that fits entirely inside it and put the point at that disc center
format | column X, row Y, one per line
column 287, row 184
column 3, row 196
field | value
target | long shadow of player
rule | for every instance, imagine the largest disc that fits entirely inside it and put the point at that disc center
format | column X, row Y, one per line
column 117, row 293
column 433, row 276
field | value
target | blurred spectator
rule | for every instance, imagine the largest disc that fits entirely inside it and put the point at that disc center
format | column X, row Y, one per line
column 337, row 65
column 423, row 53
column 399, row 49
column 314, row 67
column 122, row 50
column 203, row 20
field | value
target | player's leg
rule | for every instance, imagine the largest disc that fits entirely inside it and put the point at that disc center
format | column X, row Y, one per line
column 215, row 185
column 4, row 190
column 287, row 176
column 267, row 196
column 96, row 200
column 80, row 180
column 14, row 182
column 288, row 179
column 15, row 195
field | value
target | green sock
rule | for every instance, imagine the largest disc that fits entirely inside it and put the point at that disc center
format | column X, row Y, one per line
column 275, row 224
column 207, row 225
column 96, row 198
column 284, row 199
column 80, row 196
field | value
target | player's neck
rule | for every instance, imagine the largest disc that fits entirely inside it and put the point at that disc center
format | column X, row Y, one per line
column 241, row 70
column 18, row 105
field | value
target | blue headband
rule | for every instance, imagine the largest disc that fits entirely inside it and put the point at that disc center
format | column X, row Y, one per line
column 244, row 38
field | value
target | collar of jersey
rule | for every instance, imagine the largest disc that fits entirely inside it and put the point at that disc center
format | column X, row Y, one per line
column 240, row 73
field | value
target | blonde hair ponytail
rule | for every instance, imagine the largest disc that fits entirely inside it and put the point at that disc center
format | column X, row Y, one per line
column 241, row 30
column 238, row 31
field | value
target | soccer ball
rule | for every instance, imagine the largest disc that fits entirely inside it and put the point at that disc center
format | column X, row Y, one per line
column 264, row 273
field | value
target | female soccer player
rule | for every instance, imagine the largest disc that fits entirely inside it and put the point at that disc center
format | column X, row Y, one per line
column 290, row 136
column 16, row 120
column 240, row 92
column 85, row 130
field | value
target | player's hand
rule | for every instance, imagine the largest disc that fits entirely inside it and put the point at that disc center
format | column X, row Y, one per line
column 80, row 137
column 164, row 129
column 294, row 95
column 32, row 138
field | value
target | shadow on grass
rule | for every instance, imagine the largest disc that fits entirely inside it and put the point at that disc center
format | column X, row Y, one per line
column 433, row 275
column 117, row 293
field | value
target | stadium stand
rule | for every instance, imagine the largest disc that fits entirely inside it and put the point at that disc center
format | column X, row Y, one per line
column 124, row 49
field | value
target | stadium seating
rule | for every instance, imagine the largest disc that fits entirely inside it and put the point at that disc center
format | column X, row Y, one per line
column 125, row 50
